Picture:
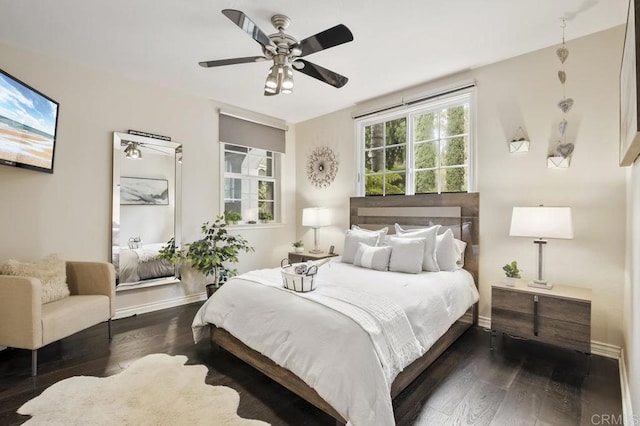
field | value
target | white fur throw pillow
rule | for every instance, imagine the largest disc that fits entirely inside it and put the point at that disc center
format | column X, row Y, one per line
column 51, row 271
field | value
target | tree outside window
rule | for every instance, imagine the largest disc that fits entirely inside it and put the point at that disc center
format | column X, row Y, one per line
column 250, row 183
column 434, row 140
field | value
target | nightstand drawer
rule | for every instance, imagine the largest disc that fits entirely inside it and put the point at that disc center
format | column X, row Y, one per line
column 562, row 333
column 548, row 306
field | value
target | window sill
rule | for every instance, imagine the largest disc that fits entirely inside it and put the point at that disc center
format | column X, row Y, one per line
column 270, row 225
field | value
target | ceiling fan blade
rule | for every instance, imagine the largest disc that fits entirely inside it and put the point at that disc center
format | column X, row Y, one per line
column 221, row 62
column 322, row 74
column 248, row 26
column 328, row 38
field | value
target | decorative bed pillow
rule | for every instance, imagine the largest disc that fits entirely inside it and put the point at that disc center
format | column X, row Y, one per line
column 407, row 254
column 51, row 271
column 382, row 233
column 430, row 262
column 462, row 246
column 372, row 257
column 447, row 251
column 352, row 240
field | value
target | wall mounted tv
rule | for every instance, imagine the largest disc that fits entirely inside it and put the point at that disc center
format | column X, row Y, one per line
column 28, row 122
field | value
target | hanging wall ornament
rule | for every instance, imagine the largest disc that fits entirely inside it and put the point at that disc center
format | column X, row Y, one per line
column 561, row 154
column 322, row 167
column 563, row 126
column 562, row 52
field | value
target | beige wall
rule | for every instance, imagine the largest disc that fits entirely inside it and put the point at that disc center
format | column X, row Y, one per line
column 523, row 91
column 69, row 212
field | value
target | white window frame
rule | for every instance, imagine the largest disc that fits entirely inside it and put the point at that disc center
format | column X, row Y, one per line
column 445, row 101
column 277, row 188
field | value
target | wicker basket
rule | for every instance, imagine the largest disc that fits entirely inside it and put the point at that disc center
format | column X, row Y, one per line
column 300, row 277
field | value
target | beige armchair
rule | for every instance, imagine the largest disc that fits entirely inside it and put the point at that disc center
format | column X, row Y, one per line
column 28, row 324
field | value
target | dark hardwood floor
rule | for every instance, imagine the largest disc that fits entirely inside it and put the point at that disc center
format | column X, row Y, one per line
column 519, row 383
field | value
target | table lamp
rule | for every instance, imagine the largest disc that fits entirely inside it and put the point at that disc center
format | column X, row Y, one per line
column 315, row 217
column 540, row 223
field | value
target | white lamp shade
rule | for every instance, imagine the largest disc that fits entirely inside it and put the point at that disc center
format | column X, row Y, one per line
column 542, row 222
column 315, row 217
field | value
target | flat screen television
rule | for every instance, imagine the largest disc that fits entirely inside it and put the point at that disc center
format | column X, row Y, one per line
column 28, row 123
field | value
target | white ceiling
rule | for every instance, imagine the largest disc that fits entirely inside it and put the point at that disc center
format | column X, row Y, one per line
column 397, row 44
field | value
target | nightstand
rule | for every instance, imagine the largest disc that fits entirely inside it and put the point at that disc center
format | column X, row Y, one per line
column 560, row 316
column 306, row 256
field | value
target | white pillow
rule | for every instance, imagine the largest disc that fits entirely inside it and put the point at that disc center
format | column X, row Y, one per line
column 407, row 254
column 430, row 262
column 462, row 246
column 372, row 257
column 447, row 251
column 380, row 232
column 352, row 239
column 51, row 271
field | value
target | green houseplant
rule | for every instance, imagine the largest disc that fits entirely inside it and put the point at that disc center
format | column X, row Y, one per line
column 265, row 217
column 511, row 272
column 232, row 217
column 212, row 253
column 298, row 246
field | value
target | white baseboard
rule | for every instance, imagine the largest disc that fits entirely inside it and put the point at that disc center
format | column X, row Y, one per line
column 627, row 407
column 156, row 306
column 605, row 350
column 597, row 348
column 484, row 322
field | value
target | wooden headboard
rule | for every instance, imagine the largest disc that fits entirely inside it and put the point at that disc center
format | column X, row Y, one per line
column 458, row 211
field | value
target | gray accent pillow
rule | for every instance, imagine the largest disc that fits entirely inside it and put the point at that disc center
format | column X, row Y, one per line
column 382, row 233
column 430, row 261
column 372, row 257
column 351, row 241
column 407, row 254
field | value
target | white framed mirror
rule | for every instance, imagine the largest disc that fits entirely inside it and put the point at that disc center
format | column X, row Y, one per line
column 146, row 209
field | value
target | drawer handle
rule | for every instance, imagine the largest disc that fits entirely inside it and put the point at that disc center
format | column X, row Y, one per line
column 535, row 315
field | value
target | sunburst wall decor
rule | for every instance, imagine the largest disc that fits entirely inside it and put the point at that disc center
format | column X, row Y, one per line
column 322, row 167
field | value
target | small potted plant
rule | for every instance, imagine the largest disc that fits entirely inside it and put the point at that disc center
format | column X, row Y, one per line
column 511, row 272
column 265, row 217
column 232, row 217
column 298, row 246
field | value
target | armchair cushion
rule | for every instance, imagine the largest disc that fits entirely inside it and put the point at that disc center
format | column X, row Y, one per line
column 51, row 271
column 67, row 316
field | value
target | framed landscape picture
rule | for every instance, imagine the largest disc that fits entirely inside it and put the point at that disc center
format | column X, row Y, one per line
column 629, row 85
column 136, row 191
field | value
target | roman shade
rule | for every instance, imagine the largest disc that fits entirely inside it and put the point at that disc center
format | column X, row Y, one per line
column 251, row 134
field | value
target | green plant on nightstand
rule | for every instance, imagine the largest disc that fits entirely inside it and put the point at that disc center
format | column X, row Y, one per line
column 298, row 246
column 511, row 272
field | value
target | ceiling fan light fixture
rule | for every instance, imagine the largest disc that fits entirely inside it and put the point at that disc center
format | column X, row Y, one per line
column 287, row 78
column 272, row 78
column 132, row 151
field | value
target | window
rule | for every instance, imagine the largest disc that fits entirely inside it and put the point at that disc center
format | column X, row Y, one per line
column 425, row 148
column 250, row 182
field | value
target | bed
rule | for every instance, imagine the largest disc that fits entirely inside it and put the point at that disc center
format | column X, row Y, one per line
column 344, row 370
column 140, row 264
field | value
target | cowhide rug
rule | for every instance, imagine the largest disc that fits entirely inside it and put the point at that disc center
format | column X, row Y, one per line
column 155, row 390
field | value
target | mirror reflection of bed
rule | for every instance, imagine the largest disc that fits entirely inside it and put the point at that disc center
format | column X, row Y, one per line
column 146, row 197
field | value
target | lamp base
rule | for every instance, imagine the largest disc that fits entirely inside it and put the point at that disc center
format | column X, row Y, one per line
column 540, row 284
column 315, row 251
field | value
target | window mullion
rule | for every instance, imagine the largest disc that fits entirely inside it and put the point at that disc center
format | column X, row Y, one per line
column 410, row 188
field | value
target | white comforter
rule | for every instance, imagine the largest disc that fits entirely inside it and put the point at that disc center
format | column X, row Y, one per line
column 331, row 352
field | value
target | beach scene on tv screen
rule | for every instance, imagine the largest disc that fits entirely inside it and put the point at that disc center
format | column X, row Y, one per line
column 27, row 125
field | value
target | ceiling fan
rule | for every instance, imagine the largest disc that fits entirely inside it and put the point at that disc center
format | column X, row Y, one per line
column 286, row 52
